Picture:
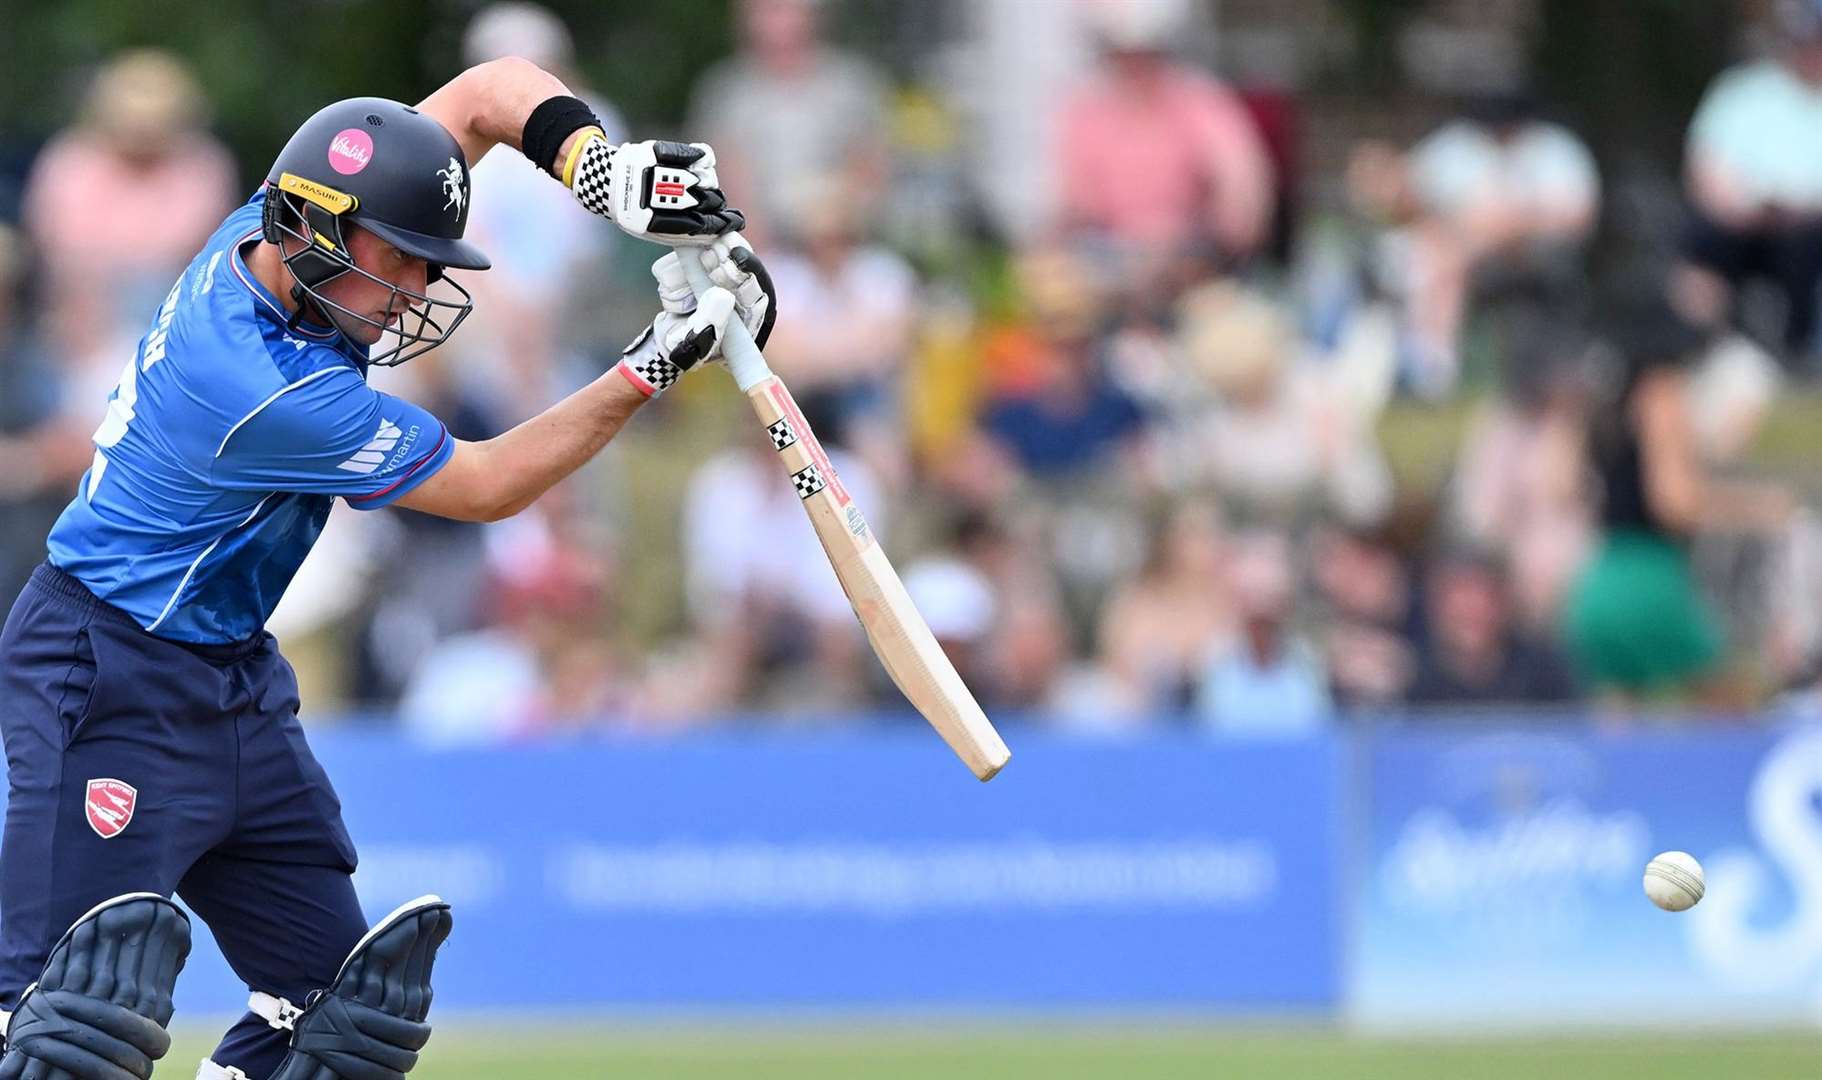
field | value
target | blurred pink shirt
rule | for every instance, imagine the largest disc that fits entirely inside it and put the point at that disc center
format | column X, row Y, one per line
column 94, row 213
column 1151, row 166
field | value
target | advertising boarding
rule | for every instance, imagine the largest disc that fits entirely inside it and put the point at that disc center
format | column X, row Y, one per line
column 1500, row 884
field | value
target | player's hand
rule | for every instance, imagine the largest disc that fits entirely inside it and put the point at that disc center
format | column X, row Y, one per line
column 731, row 264
column 686, row 333
column 655, row 190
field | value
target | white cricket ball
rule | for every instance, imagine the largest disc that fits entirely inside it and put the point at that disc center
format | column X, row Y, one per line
column 1674, row 881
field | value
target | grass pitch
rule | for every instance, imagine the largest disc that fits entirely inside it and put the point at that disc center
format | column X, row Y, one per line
column 1063, row 1051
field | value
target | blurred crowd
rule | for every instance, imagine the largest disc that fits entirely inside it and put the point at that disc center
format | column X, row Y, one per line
column 1112, row 375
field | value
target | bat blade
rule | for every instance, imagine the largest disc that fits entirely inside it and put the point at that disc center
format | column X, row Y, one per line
column 900, row 638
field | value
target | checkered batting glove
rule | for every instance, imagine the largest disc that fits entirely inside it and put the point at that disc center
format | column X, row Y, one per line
column 655, row 190
column 687, row 332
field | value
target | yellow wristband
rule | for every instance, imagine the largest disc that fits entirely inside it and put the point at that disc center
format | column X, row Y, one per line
column 583, row 137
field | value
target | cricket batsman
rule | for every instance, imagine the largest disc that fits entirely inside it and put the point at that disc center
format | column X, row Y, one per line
column 151, row 731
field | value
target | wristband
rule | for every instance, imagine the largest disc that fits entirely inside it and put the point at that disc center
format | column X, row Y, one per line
column 549, row 124
column 589, row 135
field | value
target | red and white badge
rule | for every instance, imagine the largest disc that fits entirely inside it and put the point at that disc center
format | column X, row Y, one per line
column 110, row 806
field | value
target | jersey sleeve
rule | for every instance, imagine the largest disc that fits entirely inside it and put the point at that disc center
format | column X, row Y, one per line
column 332, row 434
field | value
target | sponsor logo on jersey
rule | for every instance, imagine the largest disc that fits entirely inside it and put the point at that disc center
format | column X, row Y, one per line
column 204, row 281
column 373, row 455
column 110, row 805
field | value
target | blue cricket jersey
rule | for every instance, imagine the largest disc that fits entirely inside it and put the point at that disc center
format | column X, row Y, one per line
column 223, row 448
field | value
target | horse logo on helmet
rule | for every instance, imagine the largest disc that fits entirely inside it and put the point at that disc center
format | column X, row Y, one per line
column 452, row 185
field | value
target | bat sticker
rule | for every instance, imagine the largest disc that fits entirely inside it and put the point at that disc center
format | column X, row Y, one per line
column 807, row 480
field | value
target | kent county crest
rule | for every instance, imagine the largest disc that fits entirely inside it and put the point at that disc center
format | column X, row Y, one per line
column 110, row 806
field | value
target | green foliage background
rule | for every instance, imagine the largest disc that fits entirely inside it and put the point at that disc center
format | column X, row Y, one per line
column 267, row 64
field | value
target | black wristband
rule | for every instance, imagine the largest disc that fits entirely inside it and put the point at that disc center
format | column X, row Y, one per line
column 549, row 124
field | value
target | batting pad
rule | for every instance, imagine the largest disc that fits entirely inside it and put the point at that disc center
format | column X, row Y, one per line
column 370, row 1024
column 100, row 1009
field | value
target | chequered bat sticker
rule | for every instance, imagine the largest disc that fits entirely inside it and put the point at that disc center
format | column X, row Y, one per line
column 807, row 480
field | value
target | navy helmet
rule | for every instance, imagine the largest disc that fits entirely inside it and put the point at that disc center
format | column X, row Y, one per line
column 389, row 169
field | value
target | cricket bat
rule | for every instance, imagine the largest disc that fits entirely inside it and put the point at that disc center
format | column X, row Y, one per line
column 900, row 637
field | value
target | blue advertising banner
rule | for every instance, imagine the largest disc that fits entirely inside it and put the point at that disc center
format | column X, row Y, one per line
column 852, row 870
column 1501, row 878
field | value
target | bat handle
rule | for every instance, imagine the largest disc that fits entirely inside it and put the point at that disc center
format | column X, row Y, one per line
column 743, row 356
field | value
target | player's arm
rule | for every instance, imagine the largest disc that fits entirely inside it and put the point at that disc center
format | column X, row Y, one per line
column 330, row 433
column 655, row 190
column 487, row 481
column 488, row 104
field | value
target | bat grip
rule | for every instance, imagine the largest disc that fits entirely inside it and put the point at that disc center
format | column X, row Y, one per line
column 743, row 356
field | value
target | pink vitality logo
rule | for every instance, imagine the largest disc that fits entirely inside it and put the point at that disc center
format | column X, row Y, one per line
column 350, row 151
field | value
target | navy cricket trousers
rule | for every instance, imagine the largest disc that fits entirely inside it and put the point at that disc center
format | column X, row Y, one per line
column 137, row 764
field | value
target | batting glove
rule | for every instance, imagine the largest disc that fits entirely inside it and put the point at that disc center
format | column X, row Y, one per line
column 666, row 192
column 732, row 265
column 687, row 332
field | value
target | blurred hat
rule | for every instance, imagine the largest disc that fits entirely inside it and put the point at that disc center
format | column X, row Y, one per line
column 517, row 28
column 1237, row 341
column 1135, row 25
column 143, row 99
column 953, row 597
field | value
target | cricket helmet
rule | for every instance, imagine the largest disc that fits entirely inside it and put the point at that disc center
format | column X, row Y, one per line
column 389, row 169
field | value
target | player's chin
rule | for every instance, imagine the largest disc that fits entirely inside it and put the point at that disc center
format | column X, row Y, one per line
column 369, row 330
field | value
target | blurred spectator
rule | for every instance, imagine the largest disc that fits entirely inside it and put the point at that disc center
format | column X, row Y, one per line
column 1636, row 623
column 1366, row 618
column 544, row 664
column 1053, row 407
column 42, row 452
column 1033, row 656
column 1519, row 487
column 958, row 603
column 788, row 111
column 1277, row 435
column 1754, row 173
column 844, row 335
column 1004, row 77
column 761, row 592
column 379, row 591
column 1473, row 655
column 1162, row 625
column 1269, row 681
column 1497, row 201
column 546, row 250
column 1020, row 657
column 120, row 201
column 1157, row 157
